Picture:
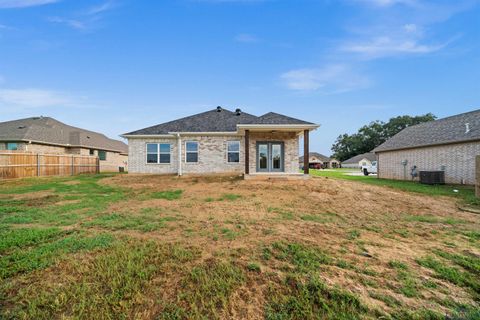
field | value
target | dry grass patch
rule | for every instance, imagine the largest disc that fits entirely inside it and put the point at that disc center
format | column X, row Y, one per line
column 222, row 247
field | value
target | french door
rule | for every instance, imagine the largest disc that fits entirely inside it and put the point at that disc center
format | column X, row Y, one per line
column 270, row 157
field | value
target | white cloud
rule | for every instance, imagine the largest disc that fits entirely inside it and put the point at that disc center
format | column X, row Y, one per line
column 246, row 38
column 333, row 78
column 32, row 98
column 388, row 3
column 75, row 24
column 4, row 4
column 86, row 20
column 106, row 6
column 410, row 28
column 387, row 46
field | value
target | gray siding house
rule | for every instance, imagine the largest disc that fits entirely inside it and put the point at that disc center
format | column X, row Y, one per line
column 356, row 162
column 450, row 145
column 221, row 141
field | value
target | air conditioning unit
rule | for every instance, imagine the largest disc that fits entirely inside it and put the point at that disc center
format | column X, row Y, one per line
column 432, row 177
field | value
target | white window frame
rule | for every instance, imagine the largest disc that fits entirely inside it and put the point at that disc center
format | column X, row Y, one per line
column 239, row 145
column 197, row 152
column 158, row 152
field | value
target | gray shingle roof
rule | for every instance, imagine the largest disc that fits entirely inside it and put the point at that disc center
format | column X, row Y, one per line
column 214, row 121
column 50, row 131
column 369, row 156
column 442, row 131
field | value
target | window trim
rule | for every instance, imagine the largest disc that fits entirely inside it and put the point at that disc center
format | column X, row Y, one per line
column 197, row 152
column 227, row 152
column 158, row 153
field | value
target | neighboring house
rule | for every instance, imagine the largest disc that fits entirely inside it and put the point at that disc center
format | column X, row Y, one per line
column 450, row 145
column 220, row 141
column 319, row 161
column 360, row 160
column 46, row 135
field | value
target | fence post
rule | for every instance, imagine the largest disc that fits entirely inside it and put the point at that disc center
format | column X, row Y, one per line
column 73, row 159
column 98, row 164
column 38, row 165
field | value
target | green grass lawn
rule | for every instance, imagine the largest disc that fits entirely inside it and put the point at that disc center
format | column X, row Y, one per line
column 464, row 193
column 150, row 247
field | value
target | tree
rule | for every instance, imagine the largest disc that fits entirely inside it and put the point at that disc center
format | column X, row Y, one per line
column 374, row 134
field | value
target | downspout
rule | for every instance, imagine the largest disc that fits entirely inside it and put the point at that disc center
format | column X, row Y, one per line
column 179, row 139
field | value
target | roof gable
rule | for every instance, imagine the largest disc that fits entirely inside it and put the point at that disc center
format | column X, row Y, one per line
column 216, row 120
column 443, row 131
column 318, row 156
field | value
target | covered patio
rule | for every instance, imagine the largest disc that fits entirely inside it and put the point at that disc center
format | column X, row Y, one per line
column 272, row 151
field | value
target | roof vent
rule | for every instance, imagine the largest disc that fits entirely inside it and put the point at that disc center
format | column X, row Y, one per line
column 238, row 111
column 36, row 118
column 467, row 127
column 21, row 127
column 219, row 109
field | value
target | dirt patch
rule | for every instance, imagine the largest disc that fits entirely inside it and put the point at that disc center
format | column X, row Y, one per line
column 361, row 228
column 389, row 224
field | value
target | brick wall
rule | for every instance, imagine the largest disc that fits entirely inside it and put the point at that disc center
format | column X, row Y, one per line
column 458, row 159
column 212, row 155
column 42, row 148
column 290, row 140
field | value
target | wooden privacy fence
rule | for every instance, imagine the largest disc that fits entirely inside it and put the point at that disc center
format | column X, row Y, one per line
column 21, row 165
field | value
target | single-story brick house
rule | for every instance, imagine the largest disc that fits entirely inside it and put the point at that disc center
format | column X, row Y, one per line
column 356, row 162
column 221, row 141
column 46, row 135
column 450, row 145
column 319, row 161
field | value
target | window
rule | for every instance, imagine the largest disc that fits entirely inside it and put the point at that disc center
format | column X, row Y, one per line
column 191, row 151
column 92, row 152
column 158, row 153
column 233, row 151
column 12, row 146
column 102, row 155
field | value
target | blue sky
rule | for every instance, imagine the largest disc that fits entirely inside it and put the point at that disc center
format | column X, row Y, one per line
column 120, row 65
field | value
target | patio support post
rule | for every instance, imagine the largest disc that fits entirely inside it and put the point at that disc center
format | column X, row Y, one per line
column 247, row 151
column 306, row 151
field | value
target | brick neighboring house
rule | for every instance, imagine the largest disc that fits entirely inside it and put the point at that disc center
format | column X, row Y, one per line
column 319, row 161
column 450, row 145
column 364, row 159
column 46, row 135
column 221, row 141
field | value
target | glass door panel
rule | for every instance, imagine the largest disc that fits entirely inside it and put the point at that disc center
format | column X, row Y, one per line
column 276, row 157
column 263, row 157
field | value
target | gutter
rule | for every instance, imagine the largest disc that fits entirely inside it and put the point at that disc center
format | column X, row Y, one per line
column 179, row 139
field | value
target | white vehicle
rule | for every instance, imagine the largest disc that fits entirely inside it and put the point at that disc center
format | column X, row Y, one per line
column 370, row 169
